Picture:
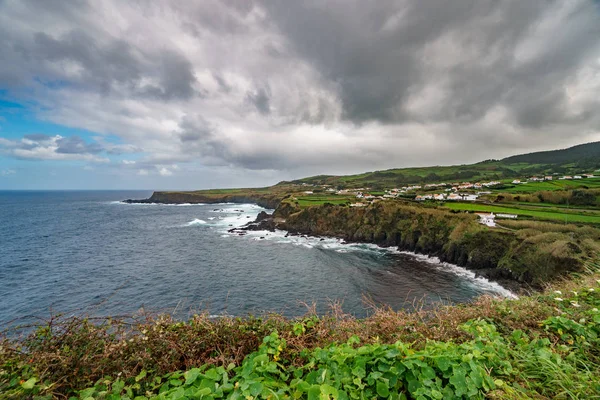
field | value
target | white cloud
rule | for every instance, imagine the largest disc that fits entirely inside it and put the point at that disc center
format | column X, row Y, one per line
column 7, row 172
column 43, row 147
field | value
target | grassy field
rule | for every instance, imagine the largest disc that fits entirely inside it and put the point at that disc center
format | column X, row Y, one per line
column 576, row 216
column 558, row 206
column 530, row 187
column 316, row 200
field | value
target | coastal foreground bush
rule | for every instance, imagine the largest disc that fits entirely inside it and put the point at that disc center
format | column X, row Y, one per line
column 542, row 346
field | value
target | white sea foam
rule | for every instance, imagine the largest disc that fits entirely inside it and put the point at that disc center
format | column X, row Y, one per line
column 157, row 204
column 196, row 222
column 477, row 281
column 338, row 245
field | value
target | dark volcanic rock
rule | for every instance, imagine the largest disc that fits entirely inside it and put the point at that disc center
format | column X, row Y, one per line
column 263, row 222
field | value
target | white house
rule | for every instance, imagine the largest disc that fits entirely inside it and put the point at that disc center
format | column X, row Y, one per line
column 439, row 197
column 548, row 177
column 358, row 205
column 487, row 219
column 308, row 192
column 577, row 177
column 509, row 216
column 469, row 197
column 516, row 181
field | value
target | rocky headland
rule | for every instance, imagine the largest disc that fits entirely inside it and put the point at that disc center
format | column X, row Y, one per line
column 266, row 200
column 520, row 259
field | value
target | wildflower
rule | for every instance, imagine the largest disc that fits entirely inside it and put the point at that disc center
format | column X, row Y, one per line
column 574, row 304
column 591, row 290
column 557, row 292
column 575, row 293
column 594, row 309
column 558, row 299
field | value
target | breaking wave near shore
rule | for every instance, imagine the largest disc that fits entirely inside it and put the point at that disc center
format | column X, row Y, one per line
column 236, row 216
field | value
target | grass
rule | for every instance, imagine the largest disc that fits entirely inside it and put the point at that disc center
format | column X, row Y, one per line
column 530, row 187
column 558, row 206
column 540, row 346
column 542, row 214
column 316, row 200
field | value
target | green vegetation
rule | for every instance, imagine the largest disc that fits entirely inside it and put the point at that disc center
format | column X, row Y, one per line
column 540, row 346
column 572, row 161
column 561, row 215
column 520, row 253
column 314, row 200
column 531, row 187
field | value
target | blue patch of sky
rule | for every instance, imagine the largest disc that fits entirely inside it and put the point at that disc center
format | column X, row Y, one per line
column 18, row 119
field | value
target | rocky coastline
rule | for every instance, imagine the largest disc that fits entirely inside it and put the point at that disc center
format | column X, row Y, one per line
column 502, row 256
column 270, row 222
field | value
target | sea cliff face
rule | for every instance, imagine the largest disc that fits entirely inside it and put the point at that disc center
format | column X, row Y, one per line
column 530, row 256
column 498, row 254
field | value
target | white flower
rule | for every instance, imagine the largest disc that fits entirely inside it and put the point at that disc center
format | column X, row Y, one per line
column 557, row 292
column 591, row 290
column 574, row 304
column 594, row 309
column 558, row 299
column 575, row 293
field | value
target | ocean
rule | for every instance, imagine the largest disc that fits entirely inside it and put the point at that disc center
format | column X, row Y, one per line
column 86, row 253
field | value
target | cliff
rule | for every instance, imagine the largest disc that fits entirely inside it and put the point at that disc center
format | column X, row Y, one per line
column 527, row 256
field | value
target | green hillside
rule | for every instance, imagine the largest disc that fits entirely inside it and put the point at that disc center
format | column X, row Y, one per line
column 588, row 152
column 574, row 160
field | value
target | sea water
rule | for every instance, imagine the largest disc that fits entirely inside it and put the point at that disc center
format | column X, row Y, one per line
column 87, row 253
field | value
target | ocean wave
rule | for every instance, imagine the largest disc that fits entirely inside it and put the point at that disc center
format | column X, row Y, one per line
column 157, row 204
column 478, row 281
column 340, row 246
column 196, row 222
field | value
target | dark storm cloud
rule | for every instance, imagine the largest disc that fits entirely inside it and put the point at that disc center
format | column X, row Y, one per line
column 373, row 50
column 112, row 65
column 260, row 99
column 177, row 79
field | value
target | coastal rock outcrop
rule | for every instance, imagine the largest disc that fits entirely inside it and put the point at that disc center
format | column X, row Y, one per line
column 266, row 200
column 457, row 238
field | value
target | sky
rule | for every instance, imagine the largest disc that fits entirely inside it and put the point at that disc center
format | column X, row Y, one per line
column 187, row 95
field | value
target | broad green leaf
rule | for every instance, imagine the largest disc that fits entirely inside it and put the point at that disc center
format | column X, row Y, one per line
column 87, row 393
column 256, row 388
column 29, row 384
column 118, row 386
column 191, row 375
column 314, row 393
column 141, row 375
column 382, row 389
